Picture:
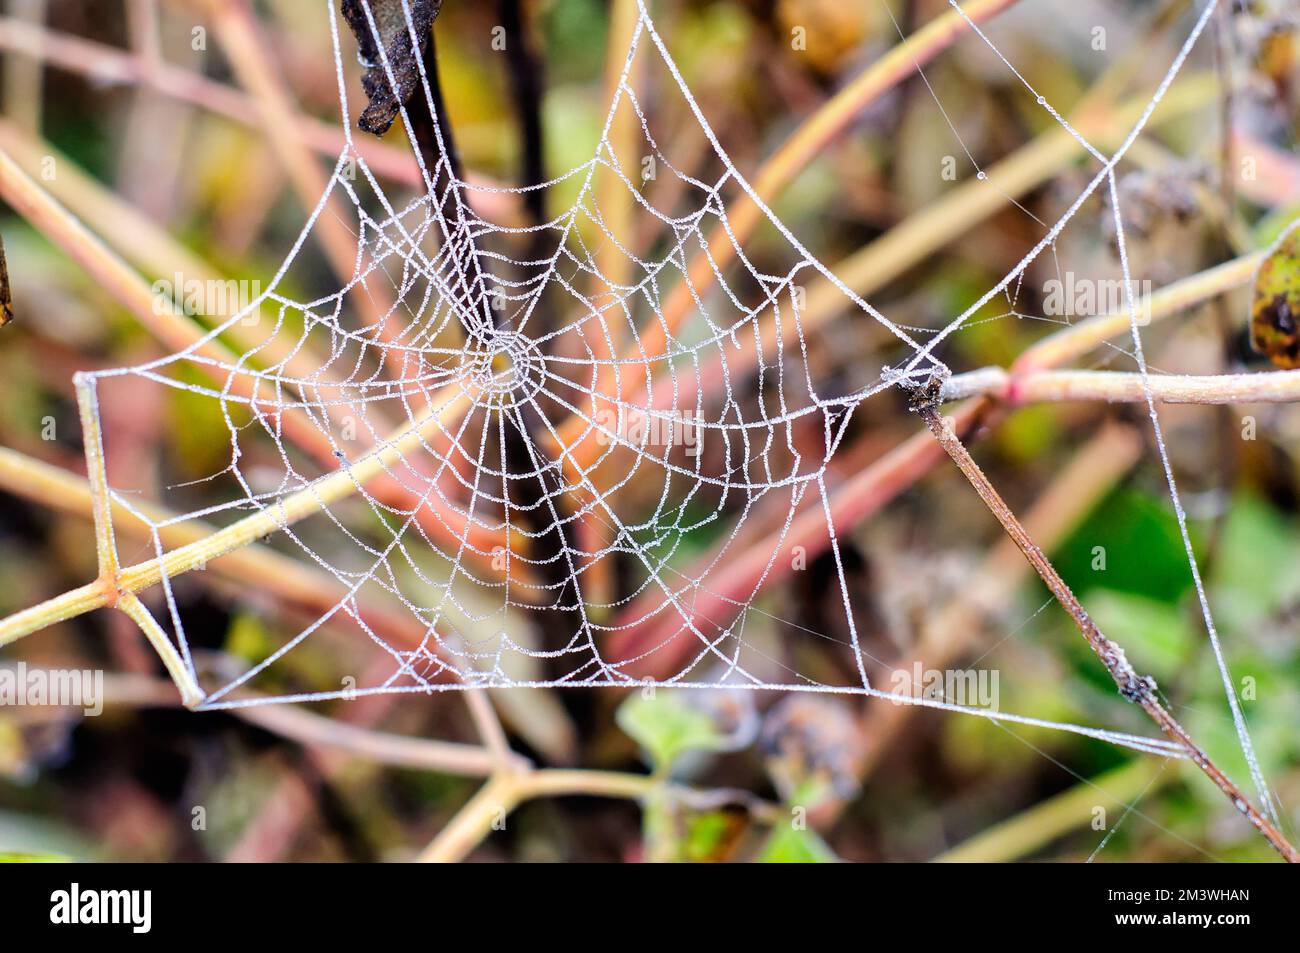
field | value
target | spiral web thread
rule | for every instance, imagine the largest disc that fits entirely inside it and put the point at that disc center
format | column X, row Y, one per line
column 493, row 532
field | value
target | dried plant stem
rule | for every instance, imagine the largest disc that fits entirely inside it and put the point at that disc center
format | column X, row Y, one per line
column 1078, row 339
column 24, row 80
column 191, row 694
column 174, row 330
column 616, row 202
column 93, row 439
column 1276, row 183
column 927, row 230
column 313, row 499
column 179, row 333
column 1141, row 690
column 251, row 60
column 113, row 66
column 446, row 757
column 144, row 28
column 1268, row 387
column 618, row 212
column 491, row 804
column 293, row 581
column 143, row 242
column 507, row 789
column 248, row 564
column 298, row 724
column 106, row 546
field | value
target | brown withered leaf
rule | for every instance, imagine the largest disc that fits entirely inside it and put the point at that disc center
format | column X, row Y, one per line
column 6, row 299
column 395, row 37
column 1275, row 307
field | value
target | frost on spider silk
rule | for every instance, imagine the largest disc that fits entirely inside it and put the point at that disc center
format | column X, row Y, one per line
column 546, row 453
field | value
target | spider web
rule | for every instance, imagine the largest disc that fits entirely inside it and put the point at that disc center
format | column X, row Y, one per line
column 519, row 456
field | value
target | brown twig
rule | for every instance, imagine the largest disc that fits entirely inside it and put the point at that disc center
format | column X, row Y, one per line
column 1139, row 689
column 1079, row 486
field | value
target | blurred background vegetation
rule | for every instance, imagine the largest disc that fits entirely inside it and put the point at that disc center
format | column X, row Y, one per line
column 125, row 785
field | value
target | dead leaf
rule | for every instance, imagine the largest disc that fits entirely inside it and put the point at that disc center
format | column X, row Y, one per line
column 395, row 40
column 1275, row 307
column 6, row 299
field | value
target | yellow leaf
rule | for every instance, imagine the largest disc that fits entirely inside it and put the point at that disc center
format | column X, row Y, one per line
column 1275, row 307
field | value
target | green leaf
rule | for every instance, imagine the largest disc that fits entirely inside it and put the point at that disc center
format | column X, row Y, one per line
column 1142, row 547
column 667, row 727
column 1155, row 634
column 707, row 836
column 247, row 638
column 1259, row 550
column 791, row 845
